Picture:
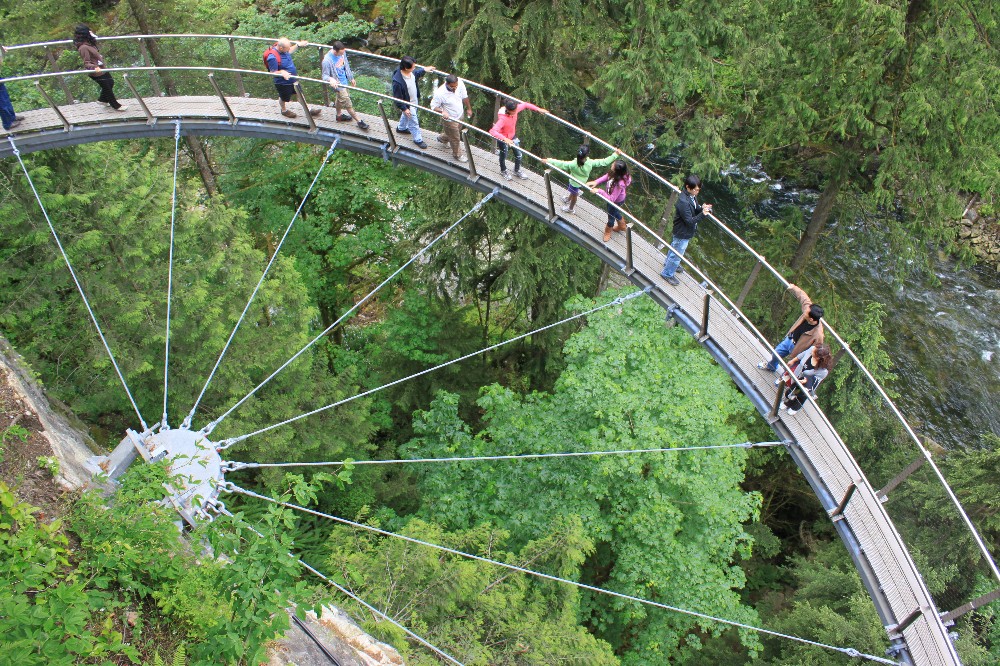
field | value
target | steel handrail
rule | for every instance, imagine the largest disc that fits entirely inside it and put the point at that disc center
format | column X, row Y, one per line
column 760, row 258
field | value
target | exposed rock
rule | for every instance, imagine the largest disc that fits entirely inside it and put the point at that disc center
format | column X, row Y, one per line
column 340, row 635
column 972, row 214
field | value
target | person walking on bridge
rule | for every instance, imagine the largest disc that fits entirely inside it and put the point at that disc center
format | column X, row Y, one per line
column 406, row 90
column 337, row 72
column 504, row 130
column 687, row 214
column 804, row 333
column 579, row 171
column 618, row 180
column 279, row 61
column 811, row 367
column 450, row 100
column 85, row 42
column 8, row 118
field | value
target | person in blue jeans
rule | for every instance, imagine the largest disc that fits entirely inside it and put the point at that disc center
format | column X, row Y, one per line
column 406, row 90
column 7, row 116
column 688, row 213
column 806, row 332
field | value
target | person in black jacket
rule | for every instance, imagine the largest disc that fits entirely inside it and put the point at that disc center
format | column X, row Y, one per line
column 688, row 214
column 406, row 90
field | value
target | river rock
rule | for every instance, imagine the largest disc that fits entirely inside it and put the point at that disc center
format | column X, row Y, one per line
column 972, row 214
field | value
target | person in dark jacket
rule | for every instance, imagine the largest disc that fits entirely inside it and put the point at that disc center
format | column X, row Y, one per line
column 406, row 90
column 688, row 214
column 8, row 118
column 812, row 367
column 85, row 42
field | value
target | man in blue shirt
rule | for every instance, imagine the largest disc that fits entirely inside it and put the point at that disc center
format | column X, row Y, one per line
column 284, row 67
column 337, row 72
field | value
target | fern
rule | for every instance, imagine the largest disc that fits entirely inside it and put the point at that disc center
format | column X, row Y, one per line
column 180, row 658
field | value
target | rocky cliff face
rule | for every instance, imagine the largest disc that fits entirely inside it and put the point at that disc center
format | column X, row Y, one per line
column 981, row 234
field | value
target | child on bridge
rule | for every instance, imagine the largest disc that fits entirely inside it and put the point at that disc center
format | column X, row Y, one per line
column 579, row 170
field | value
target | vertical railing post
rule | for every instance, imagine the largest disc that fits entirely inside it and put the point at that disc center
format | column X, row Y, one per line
column 629, row 268
column 496, row 112
column 150, row 120
column 225, row 102
column 236, row 65
column 148, row 62
column 548, row 194
column 326, row 89
column 313, row 128
column 703, row 333
column 388, row 127
column 473, row 174
column 750, row 282
column 778, row 397
column 62, row 81
column 66, row 126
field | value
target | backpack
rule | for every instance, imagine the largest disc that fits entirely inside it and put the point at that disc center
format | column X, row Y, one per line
column 272, row 50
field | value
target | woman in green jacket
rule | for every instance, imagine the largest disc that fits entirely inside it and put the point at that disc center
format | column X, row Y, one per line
column 579, row 171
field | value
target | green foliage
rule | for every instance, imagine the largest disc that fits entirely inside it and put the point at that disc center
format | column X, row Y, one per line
column 50, row 464
column 180, row 658
column 293, row 19
column 666, row 527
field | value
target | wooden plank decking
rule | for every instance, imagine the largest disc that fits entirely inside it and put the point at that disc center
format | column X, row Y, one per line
column 890, row 575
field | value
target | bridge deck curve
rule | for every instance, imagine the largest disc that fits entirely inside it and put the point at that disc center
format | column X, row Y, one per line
column 879, row 553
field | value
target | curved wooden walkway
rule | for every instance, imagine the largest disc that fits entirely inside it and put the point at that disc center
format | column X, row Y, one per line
column 879, row 553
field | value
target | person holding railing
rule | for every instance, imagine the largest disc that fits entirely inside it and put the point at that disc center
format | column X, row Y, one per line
column 618, row 180
column 406, row 90
column 337, row 72
column 450, row 99
column 579, row 171
column 85, row 42
column 810, row 367
column 8, row 118
column 278, row 60
column 687, row 214
column 504, row 130
column 804, row 333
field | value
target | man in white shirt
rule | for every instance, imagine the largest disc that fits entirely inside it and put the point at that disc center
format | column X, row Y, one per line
column 449, row 100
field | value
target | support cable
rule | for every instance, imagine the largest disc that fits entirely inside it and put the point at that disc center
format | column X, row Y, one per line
column 220, row 507
column 170, row 274
column 234, row 466
column 226, row 443
column 211, row 426
column 79, row 287
column 326, row 158
column 850, row 652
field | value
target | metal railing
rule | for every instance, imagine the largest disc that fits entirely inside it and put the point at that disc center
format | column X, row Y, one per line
column 472, row 135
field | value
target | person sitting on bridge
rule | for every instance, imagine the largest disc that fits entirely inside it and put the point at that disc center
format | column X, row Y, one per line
column 279, row 61
column 688, row 213
column 9, row 119
column 337, row 72
column 406, row 90
column 85, row 42
column 618, row 180
column 579, row 170
column 449, row 100
column 504, row 130
column 811, row 367
column 804, row 333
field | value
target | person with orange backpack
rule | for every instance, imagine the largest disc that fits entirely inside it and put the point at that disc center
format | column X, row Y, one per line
column 278, row 60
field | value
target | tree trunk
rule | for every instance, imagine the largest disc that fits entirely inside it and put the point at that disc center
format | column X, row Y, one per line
column 816, row 223
column 139, row 11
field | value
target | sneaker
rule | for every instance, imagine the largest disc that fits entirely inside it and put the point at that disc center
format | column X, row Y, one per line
column 567, row 209
column 680, row 269
column 122, row 107
column 565, row 199
column 289, row 114
column 441, row 138
column 363, row 125
column 19, row 118
column 671, row 280
column 462, row 158
column 523, row 176
column 421, row 144
column 777, row 382
column 506, row 175
column 344, row 117
column 13, row 125
column 763, row 366
column 793, row 412
column 315, row 112
column 402, row 131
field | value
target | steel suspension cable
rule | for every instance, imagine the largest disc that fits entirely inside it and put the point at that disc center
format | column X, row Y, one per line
column 221, row 508
column 79, row 287
column 211, row 426
column 233, row 466
column 226, row 443
column 850, row 652
column 274, row 256
column 170, row 273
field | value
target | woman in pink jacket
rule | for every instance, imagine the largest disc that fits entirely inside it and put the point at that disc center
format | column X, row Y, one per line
column 505, row 131
column 618, row 180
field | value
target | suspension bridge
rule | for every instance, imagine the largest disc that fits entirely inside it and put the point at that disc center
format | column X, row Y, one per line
column 198, row 105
